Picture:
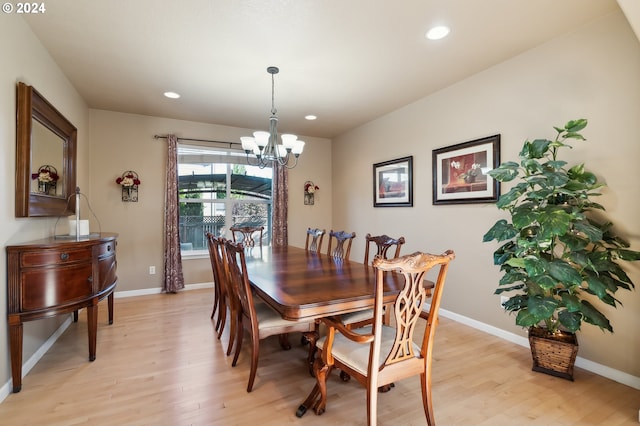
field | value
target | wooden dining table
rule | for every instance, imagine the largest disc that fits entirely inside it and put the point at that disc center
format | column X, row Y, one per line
column 301, row 284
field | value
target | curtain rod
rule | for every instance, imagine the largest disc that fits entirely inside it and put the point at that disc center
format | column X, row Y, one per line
column 199, row 140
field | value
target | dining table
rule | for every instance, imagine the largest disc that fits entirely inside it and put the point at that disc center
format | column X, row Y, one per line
column 301, row 284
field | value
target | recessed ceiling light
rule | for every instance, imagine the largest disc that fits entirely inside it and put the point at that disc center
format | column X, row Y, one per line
column 310, row 117
column 436, row 33
column 171, row 95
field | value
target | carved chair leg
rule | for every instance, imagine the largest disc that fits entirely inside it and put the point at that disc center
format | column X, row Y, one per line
column 284, row 341
column 321, row 371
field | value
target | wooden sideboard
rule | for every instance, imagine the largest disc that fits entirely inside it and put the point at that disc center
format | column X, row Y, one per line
column 55, row 276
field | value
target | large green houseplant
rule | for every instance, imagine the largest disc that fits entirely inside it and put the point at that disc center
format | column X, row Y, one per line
column 557, row 259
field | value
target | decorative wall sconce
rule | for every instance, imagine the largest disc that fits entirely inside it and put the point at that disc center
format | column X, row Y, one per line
column 310, row 189
column 47, row 177
column 129, row 182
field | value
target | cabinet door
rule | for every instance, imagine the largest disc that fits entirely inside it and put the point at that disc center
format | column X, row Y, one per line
column 47, row 287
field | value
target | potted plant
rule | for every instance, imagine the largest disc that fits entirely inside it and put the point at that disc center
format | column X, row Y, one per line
column 556, row 257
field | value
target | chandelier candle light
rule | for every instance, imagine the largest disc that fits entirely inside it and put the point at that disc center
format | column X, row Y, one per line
column 264, row 145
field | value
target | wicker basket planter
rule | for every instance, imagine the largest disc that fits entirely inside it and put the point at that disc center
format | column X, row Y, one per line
column 553, row 354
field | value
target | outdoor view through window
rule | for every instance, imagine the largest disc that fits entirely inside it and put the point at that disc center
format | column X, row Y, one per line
column 218, row 190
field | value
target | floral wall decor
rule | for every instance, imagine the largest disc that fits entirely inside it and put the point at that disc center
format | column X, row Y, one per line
column 310, row 189
column 129, row 182
column 47, row 177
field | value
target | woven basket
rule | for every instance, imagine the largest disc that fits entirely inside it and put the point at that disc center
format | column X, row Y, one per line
column 553, row 354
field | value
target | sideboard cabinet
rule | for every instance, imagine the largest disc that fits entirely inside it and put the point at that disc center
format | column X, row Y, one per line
column 55, row 276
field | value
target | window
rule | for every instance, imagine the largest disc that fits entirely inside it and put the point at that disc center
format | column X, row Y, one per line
column 217, row 190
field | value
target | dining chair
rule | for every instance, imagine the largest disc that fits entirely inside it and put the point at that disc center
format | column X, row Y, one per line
column 314, row 239
column 382, row 244
column 259, row 319
column 223, row 297
column 247, row 234
column 216, row 286
column 342, row 247
column 380, row 354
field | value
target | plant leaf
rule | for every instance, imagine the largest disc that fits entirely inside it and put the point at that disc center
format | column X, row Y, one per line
column 570, row 320
column 594, row 316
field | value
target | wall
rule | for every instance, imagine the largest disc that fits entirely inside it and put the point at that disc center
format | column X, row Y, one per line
column 591, row 73
column 123, row 142
column 24, row 59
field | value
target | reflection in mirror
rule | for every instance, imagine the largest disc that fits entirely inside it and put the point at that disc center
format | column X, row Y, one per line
column 47, row 155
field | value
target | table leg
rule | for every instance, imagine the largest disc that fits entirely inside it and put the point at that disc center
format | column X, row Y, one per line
column 15, row 341
column 92, row 326
column 110, row 305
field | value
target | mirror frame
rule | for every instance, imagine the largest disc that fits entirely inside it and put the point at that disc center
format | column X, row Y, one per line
column 31, row 105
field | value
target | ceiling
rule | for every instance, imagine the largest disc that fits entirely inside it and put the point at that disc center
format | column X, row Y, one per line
column 346, row 61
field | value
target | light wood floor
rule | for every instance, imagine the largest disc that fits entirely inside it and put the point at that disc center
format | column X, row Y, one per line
column 160, row 364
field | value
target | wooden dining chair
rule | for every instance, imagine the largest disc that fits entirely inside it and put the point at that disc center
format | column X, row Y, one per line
column 381, row 244
column 223, row 297
column 259, row 319
column 246, row 234
column 314, row 239
column 379, row 354
column 342, row 248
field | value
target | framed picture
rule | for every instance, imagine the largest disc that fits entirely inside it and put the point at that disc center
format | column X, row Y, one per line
column 393, row 183
column 460, row 172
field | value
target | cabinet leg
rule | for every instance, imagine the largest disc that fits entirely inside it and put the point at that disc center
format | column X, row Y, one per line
column 110, row 305
column 92, row 326
column 15, row 337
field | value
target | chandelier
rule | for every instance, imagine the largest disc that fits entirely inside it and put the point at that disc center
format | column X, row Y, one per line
column 263, row 148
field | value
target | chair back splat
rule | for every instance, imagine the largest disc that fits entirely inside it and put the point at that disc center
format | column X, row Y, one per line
column 382, row 244
column 343, row 241
column 247, row 234
column 314, row 239
column 392, row 354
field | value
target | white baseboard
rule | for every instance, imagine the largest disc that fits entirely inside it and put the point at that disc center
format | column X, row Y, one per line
column 594, row 367
column 158, row 290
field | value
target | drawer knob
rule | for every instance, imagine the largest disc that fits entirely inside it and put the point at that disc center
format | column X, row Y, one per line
column 109, row 248
column 64, row 256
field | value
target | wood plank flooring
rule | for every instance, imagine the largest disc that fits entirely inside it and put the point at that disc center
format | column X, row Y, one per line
column 160, row 364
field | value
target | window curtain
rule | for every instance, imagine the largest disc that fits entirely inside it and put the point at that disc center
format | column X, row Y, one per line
column 280, row 236
column 173, row 278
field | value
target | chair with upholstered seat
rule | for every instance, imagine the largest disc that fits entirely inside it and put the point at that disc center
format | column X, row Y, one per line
column 314, row 239
column 342, row 247
column 377, row 355
column 382, row 244
column 259, row 319
column 247, row 234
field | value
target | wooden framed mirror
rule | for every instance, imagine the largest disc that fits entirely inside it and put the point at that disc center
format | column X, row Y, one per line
column 45, row 157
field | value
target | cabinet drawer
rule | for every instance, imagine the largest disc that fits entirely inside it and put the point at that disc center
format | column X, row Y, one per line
column 48, row 287
column 106, row 248
column 54, row 257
